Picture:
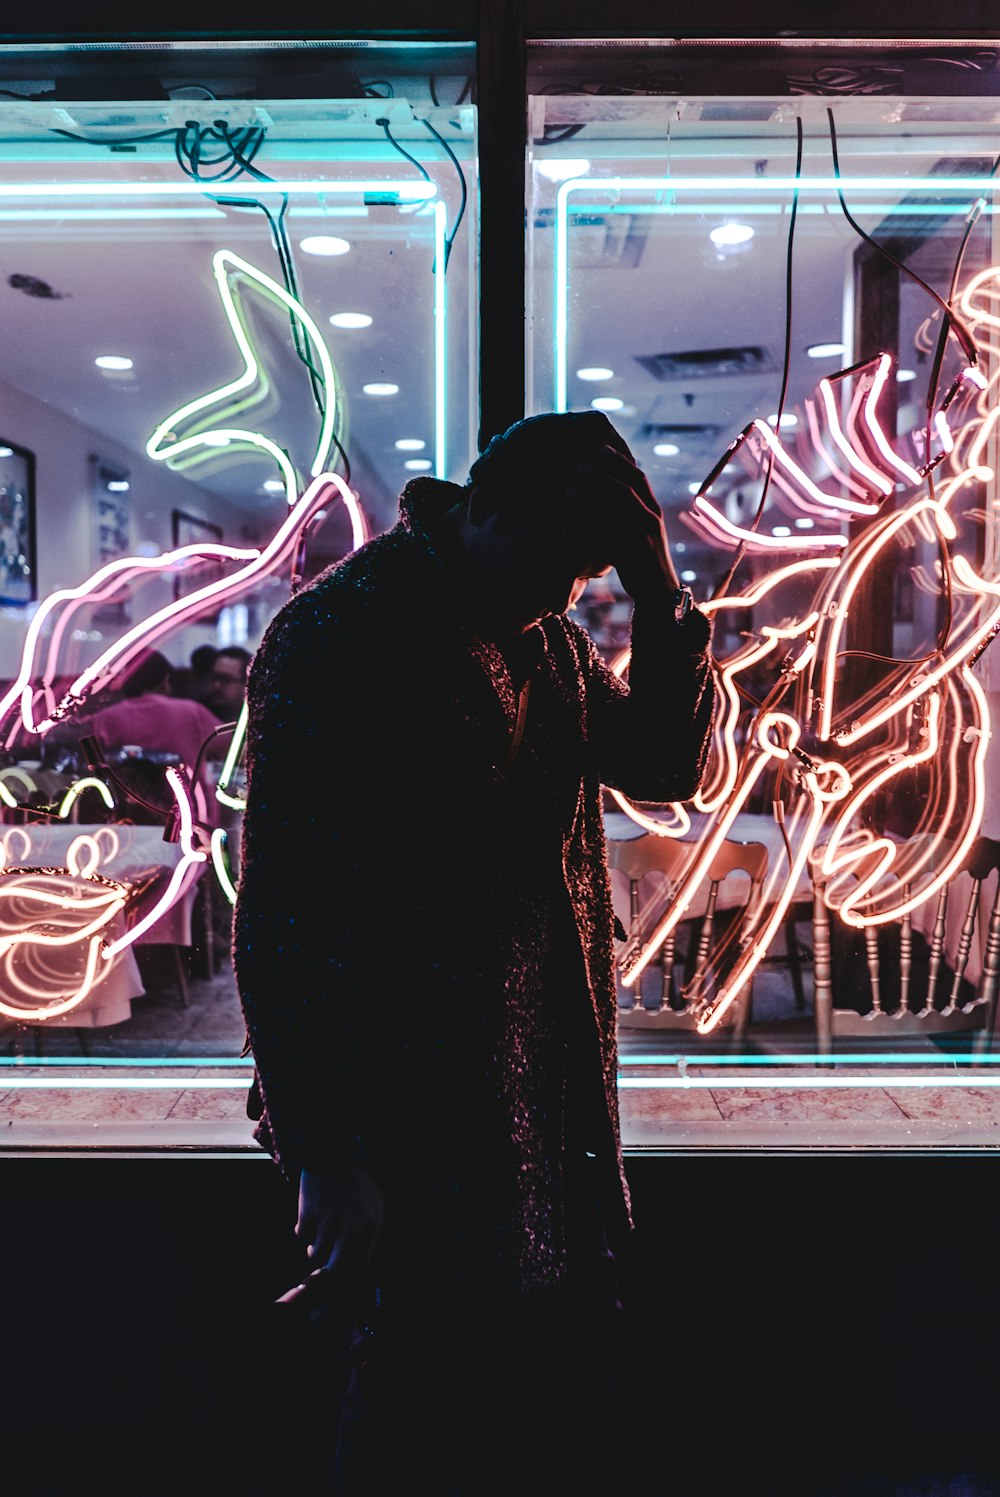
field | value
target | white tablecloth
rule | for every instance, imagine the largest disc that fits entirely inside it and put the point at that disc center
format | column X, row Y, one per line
column 131, row 854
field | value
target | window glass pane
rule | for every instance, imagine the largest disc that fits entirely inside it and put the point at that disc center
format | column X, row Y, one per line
column 239, row 292
column 785, row 297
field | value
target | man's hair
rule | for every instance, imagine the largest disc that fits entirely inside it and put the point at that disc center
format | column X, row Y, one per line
column 202, row 659
column 149, row 670
column 526, row 470
column 235, row 652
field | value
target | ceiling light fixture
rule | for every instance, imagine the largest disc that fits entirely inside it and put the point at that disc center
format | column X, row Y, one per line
column 595, row 371
column 380, row 389
column 903, row 375
column 351, row 319
column 112, row 361
column 324, row 244
column 787, row 419
column 666, row 449
column 607, row 403
column 825, row 350
column 418, row 464
column 728, row 236
column 410, row 444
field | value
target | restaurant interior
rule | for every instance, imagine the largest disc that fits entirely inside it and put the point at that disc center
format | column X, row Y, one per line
column 253, row 284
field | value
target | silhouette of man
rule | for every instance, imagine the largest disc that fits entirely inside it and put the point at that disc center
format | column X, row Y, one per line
column 424, row 946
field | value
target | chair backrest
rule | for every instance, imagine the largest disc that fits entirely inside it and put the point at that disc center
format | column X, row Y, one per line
column 949, row 922
column 660, row 863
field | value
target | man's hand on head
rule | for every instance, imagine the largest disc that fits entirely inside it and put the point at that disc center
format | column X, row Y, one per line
column 627, row 522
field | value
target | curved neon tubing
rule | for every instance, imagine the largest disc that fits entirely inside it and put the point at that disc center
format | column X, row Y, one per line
column 89, row 782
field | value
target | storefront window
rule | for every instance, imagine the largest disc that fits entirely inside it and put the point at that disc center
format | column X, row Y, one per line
column 238, row 294
column 777, row 273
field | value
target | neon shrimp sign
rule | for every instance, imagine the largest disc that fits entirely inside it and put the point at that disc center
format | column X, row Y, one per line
column 77, row 912
column 836, row 759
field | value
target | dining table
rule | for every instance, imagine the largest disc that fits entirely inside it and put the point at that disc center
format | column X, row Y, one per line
column 136, row 856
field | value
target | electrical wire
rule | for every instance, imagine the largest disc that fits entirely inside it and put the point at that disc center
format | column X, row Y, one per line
column 450, row 238
column 955, row 323
column 723, row 586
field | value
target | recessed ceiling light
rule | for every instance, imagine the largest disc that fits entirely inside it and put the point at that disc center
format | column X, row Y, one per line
column 804, row 522
column 680, row 548
column 666, row 449
column 905, row 374
column 273, row 486
column 351, row 319
column 728, row 235
column 825, row 350
column 562, row 171
column 418, row 464
column 410, row 444
column 694, row 488
column 595, row 371
column 118, row 486
column 689, row 576
column 6, row 452
column 780, row 530
column 607, row 403
column 787, row 419
column 112, row 361
column 378, row 389
column 324, row 244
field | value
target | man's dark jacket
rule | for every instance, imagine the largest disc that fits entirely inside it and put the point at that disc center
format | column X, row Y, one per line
column 423, row 934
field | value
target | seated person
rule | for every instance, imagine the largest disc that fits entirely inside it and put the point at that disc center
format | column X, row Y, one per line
column 228, row 684
column 228, row 681
column 194, row 681
column 152, row 728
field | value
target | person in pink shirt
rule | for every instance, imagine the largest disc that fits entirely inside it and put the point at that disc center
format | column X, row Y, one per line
column 148, row 729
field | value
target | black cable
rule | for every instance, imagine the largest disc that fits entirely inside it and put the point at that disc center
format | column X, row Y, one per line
column 449, row 239
column 786, row 363
column 955, row 323
column 397, row 147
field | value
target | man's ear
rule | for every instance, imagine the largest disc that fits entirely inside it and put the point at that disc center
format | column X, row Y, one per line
column 478, row 507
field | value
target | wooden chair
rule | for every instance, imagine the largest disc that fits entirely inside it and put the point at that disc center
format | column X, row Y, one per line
column 967, row 1007
column 654, row 867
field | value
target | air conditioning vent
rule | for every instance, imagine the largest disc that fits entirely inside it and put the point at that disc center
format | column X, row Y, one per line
column 708, row 363
column 690, row 436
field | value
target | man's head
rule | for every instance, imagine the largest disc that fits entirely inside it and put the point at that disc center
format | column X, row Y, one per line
column 533, row 540
column 148, row 672
column 227, row 681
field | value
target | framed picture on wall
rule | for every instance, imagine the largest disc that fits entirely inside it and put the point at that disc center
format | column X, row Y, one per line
column 18, row 561
column 112, row 529
column 188, row 530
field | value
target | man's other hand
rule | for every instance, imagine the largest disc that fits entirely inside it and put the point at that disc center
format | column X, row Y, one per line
column 340, row 1217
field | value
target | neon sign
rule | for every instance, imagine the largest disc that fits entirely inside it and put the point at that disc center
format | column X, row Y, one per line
column 836, row 765
column 85, row 914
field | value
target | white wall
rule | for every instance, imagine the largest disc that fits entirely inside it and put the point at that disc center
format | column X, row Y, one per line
column 65, row 519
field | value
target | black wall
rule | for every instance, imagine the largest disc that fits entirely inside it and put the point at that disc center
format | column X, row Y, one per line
column 799, row 1323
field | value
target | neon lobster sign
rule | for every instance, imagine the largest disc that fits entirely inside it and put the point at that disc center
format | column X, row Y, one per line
column 930, row 712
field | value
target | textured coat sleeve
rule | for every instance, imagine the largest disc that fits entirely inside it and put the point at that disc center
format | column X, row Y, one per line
column 292, row 937
column 649, row 737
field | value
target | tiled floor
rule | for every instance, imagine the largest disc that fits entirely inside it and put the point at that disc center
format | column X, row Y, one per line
column 673, row 1094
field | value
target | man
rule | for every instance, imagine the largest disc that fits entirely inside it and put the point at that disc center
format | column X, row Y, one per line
column 226, row 681
column 424, row 942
